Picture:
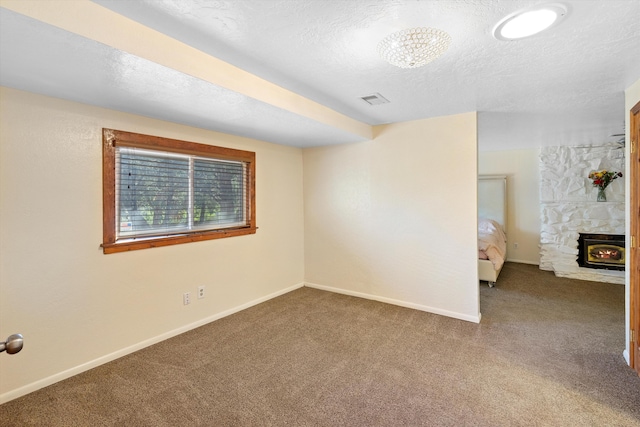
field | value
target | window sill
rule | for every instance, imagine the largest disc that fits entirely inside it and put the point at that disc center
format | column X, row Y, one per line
column 146, row 243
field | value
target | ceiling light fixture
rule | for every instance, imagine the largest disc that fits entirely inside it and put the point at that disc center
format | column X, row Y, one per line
column 529, row 21
column 414, row 47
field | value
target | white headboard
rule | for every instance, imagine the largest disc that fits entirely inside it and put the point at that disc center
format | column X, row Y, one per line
column 492, row 198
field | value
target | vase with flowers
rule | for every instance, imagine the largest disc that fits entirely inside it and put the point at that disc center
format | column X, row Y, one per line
column 602, row 179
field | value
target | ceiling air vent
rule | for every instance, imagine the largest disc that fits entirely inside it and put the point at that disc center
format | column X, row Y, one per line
column 375, row 99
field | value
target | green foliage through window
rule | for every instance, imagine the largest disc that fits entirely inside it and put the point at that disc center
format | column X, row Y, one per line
column 160, row 192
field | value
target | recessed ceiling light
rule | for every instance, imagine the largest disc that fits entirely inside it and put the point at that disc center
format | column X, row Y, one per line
column 529, row 21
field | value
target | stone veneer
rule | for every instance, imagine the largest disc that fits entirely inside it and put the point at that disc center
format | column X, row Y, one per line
column 569, row 207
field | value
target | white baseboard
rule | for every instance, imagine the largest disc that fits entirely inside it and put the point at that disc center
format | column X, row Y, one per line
column 29, row 388
column 468, row 318
column 521, row 261
column 625, row 354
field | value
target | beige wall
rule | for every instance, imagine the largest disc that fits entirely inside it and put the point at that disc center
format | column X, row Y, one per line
column 77, row 307
column 394, row 219
column 522, row 168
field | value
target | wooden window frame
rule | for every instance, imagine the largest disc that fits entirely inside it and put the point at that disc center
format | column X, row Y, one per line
column 115, row 138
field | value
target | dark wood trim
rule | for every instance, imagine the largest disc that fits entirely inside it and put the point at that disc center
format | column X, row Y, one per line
column 134, row 245
column 634, row 259
column 113, row 138
column 251, row 187
column 108, row 189
column 129, row 139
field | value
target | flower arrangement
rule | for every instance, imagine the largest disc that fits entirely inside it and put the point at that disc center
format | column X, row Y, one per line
column 602, row 179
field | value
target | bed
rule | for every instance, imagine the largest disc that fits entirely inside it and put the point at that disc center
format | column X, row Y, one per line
column 492, row 226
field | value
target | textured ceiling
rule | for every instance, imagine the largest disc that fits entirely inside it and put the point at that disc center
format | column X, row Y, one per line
column 565, row 86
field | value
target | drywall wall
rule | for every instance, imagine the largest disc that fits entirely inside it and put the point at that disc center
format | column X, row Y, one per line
column 108, row 28
column 523, row 199
column 77, row 307
column 394, row 219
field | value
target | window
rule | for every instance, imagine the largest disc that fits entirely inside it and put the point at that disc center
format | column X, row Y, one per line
column 159, row 192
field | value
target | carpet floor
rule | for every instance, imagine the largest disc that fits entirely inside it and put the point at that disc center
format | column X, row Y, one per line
column 548, row 352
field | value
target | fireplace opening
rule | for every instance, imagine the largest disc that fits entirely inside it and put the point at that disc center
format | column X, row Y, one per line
column 604, row 251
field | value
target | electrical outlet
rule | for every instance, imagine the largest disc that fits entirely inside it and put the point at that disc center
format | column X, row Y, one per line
column 186, row 298
column 201, row 291
column 515, row 246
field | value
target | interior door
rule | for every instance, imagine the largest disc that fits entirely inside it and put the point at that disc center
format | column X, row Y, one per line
column 634, row 259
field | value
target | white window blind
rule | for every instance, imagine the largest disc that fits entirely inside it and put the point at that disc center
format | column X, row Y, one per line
column 163, row 193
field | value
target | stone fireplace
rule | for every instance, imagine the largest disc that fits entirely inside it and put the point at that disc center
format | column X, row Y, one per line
column 568, row 208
